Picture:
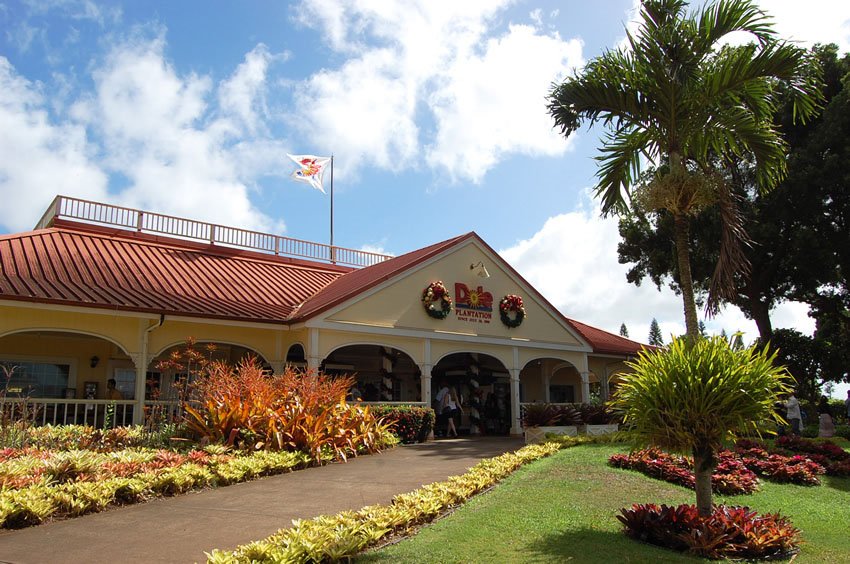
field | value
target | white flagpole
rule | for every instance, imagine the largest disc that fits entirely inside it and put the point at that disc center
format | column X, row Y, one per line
column 333, row 251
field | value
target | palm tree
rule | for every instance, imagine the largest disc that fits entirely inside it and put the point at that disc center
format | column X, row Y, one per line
column 693, row 395
column 677, row 104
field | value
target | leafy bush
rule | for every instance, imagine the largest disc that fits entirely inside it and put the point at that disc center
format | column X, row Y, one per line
column 540, row 415
column 730, row 477
column 84, row 437
column 729, row 532
column 598, row 415
column 824, row 448
column 296, row 411
column 842, row 431
column 409, row 423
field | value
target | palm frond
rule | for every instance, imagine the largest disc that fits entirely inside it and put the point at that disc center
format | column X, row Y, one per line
column 732, row 260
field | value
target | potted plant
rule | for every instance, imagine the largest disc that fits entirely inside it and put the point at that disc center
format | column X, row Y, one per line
column 538, row 419
column 598, row 420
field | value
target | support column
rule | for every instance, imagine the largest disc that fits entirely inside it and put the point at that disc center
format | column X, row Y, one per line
column 141, row 361
column 313, row 360
column 606, row 385
column 278, row 366
column 516, row 425
column 425, row 384
column 585, row 387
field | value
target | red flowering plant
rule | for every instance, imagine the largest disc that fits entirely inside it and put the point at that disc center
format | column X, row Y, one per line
column 730, row 476
column 511, row 310
column 728, row 532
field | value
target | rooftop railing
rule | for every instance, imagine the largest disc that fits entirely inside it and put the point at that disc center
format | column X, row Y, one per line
column 97, row 213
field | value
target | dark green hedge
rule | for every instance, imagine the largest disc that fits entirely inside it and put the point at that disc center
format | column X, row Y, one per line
column 411, row 423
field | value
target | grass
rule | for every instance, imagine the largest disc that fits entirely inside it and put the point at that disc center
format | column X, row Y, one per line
column 563, row 509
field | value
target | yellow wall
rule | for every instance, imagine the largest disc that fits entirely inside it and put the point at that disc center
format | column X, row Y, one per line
column 117, row 327
column 399, row 304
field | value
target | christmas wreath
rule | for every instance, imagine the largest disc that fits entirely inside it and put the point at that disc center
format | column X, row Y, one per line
column 511, row 304
column 436, row 300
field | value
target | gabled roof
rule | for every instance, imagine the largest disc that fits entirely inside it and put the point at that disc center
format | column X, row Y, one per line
column 358, row 281
column 116, row 269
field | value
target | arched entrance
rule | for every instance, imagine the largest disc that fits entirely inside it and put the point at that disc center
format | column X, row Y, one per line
column 383, row 373
column 483, row 385
column 554, row 380
column 67, row 377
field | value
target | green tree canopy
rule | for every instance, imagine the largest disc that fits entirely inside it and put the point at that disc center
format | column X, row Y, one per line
column 677, row 99
column 693, row 395
column 655, row 337
column 624, row 331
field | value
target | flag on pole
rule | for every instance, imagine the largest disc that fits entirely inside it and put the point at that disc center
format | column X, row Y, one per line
column 310, row 169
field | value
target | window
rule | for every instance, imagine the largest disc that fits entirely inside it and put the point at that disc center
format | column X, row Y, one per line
column 562, row 394
column 125, row 382
column 35, row 379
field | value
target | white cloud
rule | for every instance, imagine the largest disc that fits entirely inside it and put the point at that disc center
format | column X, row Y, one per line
column 485, row 88
column 38, row 159
column 494, row 103
column 572, row 261
column 243, row 94
column 825, row 21
column 159, row 133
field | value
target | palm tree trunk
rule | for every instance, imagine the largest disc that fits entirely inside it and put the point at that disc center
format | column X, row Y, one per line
column 703, row 468
column 686, row 283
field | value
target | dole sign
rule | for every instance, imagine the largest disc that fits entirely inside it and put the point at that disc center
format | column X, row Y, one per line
column 473, row 305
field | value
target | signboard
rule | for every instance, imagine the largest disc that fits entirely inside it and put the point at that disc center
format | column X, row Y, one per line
column 474, row 305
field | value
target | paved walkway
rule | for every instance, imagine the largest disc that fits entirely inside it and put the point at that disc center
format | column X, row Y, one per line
column 180, row 529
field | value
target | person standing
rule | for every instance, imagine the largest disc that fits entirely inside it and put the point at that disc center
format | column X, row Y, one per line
column 792, row 410
column 826, row 427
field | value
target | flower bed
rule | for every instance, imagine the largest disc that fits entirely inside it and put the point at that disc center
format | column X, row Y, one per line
column 730, row 477
column 39, row 484
column 834, row 460
column 730, row 532
column 409, row 423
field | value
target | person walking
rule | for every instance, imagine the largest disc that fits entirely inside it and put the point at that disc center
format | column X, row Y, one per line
column 792, row 411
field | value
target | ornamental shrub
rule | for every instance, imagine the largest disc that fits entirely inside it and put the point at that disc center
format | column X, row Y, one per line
column 728, row 532
column 246, row 406
column 410, row 423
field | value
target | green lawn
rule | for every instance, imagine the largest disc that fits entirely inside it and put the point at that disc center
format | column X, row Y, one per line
column 562, row 509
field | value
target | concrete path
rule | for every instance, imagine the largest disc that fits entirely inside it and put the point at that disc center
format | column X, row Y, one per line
column 181, row 529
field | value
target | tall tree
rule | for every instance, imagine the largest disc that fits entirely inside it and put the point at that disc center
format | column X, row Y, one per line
column 798, row 231
column 624, row 331
column 655, row 337
column 677, row 99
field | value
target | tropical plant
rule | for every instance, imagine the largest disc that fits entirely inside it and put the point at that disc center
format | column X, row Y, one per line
column 678, row 100
column 694, row 395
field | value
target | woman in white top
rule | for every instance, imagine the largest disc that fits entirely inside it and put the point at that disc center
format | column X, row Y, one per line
column 451, row 407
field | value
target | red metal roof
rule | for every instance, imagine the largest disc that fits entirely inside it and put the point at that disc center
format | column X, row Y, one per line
column 117, row 269
column 92, row 266
column 608, row 343
column 358, row 281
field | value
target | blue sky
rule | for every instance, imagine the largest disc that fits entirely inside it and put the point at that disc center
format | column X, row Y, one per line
column 435, row 112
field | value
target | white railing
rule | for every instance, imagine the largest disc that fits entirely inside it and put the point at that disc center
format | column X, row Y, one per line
column 49, row 411
column 107, row 413
column 85, row 211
